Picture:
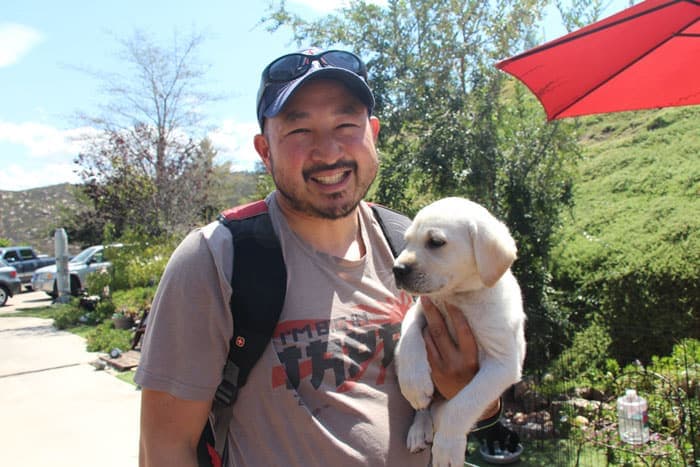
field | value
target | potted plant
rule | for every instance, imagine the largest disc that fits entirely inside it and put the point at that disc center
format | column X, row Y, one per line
column 123, row 319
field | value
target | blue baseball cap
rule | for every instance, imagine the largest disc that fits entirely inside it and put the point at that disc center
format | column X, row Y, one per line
column 283, row 76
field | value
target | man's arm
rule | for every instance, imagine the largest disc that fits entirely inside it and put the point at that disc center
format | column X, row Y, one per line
column 170, row 429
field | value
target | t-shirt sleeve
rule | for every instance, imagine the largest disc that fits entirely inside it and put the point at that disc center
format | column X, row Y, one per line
column 190, row 324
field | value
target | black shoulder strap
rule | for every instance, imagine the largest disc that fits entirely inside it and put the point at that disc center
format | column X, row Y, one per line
column 259, row 286
column 393, row 224
column 259, row 283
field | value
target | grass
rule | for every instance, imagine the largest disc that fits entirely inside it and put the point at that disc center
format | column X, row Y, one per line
column 637, row 194
column 127, row 377
column 45, row 312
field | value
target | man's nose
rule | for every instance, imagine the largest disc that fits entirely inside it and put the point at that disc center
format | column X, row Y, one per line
column 327, row 148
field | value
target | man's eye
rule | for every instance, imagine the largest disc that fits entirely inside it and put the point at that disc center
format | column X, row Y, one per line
column 297, row 131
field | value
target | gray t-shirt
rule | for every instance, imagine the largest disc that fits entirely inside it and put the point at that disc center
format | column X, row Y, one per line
column 325, row 390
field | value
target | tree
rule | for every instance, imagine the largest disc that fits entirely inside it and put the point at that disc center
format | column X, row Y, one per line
column 452, row 125
column 143, row 166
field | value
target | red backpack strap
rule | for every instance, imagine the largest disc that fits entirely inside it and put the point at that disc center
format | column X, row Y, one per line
column 244, row 211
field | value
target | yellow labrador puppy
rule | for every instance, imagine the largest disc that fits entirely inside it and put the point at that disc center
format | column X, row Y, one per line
column 458, row 253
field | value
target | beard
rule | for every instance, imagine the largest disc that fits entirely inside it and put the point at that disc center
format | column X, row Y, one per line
column 315, row 207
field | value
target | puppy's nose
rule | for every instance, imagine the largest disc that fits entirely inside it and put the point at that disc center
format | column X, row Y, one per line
column 401, row 270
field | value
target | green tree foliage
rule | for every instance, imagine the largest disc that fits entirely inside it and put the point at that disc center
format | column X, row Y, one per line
column 452, row 125
column 143, row 165
column 120, row 178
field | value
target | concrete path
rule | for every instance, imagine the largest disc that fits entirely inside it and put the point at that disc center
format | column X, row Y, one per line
column 57, row 409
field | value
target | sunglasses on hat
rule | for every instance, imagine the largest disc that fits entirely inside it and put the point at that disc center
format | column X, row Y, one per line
column 294, row 65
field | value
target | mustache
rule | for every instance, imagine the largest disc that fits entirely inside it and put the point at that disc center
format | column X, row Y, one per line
column 308, row 173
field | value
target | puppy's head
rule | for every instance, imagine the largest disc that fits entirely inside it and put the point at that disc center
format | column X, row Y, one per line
column 453, row 245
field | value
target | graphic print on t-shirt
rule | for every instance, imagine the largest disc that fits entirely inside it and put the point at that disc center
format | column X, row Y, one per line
column 342, row 348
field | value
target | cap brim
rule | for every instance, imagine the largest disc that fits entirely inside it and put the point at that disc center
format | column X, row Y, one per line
column 354, row 82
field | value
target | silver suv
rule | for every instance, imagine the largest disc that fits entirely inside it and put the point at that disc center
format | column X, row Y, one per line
column 10, row 284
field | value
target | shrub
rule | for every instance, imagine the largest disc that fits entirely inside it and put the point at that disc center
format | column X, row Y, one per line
column 66, row 315
column 586, row 363
column 140, row 262
column 138, row 298
column 104, row 338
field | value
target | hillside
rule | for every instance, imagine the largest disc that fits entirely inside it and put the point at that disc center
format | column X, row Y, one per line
column 638, row 187
column 630, row 247
column 26, row 217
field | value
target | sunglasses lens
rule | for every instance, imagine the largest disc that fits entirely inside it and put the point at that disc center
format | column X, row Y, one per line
column 287, row 68
column 345, row 60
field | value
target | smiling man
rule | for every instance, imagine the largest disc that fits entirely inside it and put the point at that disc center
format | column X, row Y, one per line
column 324, row 391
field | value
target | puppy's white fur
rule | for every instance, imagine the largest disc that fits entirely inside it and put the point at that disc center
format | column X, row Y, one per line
column 458, row 253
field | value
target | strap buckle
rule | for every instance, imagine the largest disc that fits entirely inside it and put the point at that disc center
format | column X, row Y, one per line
column 227, row 391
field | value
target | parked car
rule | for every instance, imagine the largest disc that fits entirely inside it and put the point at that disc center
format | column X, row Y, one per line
column 80, row 266
column 25, row 260
column 10, row 284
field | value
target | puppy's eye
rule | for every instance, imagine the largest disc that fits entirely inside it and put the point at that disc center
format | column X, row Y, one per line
column 436, row 242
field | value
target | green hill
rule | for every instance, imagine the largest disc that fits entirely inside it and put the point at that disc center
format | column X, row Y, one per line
column 631, row 243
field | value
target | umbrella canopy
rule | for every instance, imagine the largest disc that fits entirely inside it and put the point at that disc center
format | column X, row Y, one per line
column 647, row 56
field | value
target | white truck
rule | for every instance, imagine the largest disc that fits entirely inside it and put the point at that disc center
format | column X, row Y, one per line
column 80, row 266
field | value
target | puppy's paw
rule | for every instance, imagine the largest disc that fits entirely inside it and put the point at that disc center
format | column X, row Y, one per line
column 420, row 435
column 449, row 451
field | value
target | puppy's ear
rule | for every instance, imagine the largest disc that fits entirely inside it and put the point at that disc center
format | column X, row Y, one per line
column 494, row 249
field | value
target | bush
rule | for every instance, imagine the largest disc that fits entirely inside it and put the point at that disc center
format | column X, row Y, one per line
column 140, row 262
column 587, row 359
column 138, row 298
column 104, row 338
column 67, row 315
column 72, row 314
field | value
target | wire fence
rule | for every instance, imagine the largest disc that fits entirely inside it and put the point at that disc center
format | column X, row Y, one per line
column 575, row 423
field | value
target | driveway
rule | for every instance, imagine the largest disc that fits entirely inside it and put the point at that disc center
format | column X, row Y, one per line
column 57, row 409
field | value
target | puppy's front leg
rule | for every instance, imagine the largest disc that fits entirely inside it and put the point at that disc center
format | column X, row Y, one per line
column 455, row 418
column 412, row 360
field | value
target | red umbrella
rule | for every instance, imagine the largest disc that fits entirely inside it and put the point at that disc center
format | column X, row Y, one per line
column 647, row 56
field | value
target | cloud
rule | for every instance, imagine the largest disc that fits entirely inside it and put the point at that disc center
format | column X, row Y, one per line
column 14, row 177
column 43, row 141
column 234, row 142
column 34, row 155
column 15, row 41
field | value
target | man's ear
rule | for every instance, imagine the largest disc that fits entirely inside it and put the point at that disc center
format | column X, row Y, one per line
column 374, row 124
column 262, row 147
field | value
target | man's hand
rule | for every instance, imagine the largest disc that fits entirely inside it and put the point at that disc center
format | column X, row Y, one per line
column 453, row 364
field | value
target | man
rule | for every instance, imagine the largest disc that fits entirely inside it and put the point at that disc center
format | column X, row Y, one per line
column 325, row 390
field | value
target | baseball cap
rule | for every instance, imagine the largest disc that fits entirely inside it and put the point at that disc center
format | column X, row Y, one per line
column 286, row 74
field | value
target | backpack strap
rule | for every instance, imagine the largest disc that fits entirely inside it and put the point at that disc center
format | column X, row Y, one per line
column 259, row 283
column 393, row 225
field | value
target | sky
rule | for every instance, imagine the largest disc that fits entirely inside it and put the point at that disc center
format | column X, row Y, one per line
column 45, row 46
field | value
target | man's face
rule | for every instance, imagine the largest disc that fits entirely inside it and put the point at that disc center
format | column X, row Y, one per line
column 321, row 150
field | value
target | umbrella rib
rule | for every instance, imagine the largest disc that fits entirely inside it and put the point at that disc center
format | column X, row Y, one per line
column 566, row 39
column 633, row 62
